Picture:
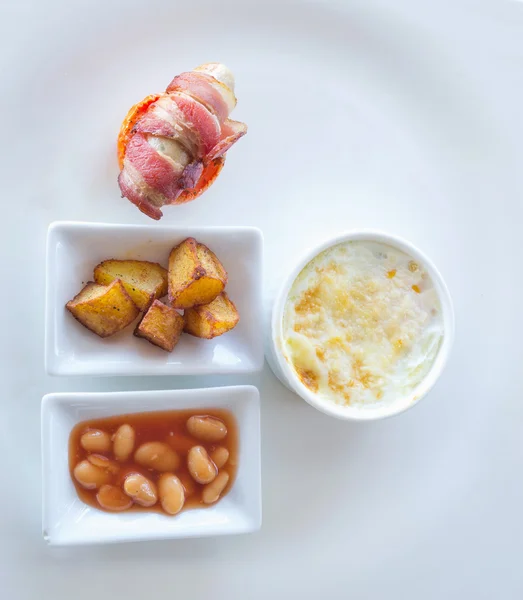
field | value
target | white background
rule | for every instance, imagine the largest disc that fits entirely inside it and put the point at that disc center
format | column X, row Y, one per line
column 406, row 116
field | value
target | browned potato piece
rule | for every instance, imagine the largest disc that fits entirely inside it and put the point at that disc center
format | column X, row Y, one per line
column 161, row 325
column 143, row 280
column 104, row 310
column 196, row 276
column 213, row 319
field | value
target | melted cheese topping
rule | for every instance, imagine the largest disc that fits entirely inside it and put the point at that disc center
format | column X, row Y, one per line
column 362, row 324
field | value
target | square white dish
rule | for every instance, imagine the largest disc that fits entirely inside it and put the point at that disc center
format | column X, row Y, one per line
column 74, row 249
column 66, row 520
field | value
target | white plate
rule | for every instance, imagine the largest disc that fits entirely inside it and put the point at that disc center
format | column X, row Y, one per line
column 66, row 520
column 74, row 249
column 404, row 116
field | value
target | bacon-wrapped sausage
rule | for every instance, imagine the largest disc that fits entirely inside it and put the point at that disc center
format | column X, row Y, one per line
column 172, row 145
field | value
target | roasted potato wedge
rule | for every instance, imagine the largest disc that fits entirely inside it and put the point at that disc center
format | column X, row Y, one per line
column 196, row 276
column 104, row 310
column 161, row 325
column 213, row 319
column 143, row 280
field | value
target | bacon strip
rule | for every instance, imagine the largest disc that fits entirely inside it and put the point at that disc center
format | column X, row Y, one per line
column 200, row 119
column 207, row 90
column 232, row 131
column 132, row 192
column 164, row 118
column 157, row 172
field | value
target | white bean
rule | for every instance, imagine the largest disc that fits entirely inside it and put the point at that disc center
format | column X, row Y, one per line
column 158, row 456
column 206, row 429
column 201, row 467
column 172, row 494
column 104, row 463
column 90, row 476
column 113, row 498
column 140, row 489
column 123, row 442
column 220, row 456
column 212, row 491
column 96, row 440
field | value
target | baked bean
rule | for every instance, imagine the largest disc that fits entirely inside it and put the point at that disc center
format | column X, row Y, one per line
column 96, row 440
column 171, row 492
column 123, row 442
column 158, row 456
column 112, row 497
column 104, row 463
column 189, row 485
column 140, row 489
column 206, row 429
column 212, row 491
column 220, row 456
column 90, row 476
column 201, row 467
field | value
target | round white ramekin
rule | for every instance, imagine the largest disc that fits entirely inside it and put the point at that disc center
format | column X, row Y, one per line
column 286, row 374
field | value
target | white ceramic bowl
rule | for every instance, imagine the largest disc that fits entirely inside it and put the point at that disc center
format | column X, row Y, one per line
column 286, row 374
column 66, row 520
column 74, row 249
